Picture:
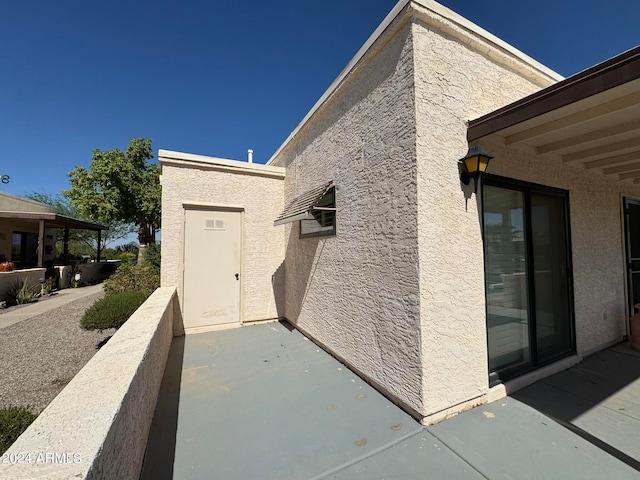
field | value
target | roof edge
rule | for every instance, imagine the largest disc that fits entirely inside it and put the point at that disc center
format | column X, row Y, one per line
column 168, row 157
column 397, row 10
column 377, row 33
column 493, row 40
column 603, row 76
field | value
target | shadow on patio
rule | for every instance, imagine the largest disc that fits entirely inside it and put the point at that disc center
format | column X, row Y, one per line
column 263, row 402
column 598, row 399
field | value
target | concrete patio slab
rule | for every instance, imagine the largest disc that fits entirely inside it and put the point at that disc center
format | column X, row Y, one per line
column 416, row 458
column 508, row 439
column 263, row 402
column 598, row 400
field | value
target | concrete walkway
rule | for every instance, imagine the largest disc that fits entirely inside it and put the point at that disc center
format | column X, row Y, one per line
column 61, row 297
column 263, row 402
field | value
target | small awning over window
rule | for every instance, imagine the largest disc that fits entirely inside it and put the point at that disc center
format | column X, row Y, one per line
column 300, row 207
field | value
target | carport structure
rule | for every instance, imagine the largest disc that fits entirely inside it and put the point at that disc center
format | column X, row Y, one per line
column 45, row 221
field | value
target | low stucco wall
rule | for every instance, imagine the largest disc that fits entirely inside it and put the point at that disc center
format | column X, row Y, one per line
column 97, row 427
column 90, row 272
column 33, row 276
column 13, row 203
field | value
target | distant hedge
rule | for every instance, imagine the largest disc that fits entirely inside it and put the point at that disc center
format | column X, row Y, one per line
column 142, row 278
column 112, row 311
column 13, row 421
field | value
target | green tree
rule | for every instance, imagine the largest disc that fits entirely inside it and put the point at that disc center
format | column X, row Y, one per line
column 82, row 242
column 120, row 187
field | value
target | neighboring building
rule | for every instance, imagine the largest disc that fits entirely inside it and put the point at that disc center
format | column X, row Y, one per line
column 441, row 298
column 24, row 226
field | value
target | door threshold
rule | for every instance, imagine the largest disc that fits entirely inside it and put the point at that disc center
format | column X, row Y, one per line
column 211, row 328
column 518, row 383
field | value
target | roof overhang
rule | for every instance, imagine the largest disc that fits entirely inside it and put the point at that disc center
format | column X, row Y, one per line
column 590, row 119
column 301, row 207
column 54, row 220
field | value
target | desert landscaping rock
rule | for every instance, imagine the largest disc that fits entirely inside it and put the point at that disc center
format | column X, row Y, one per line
column 41, row 355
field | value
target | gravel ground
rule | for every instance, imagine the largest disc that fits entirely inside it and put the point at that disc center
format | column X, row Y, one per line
column 39, row 356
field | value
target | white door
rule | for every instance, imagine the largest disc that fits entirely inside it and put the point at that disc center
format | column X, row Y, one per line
column 212, row 248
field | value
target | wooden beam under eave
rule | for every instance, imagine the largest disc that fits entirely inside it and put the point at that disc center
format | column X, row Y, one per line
column 628, row 167
column 629, row 175
column 610, row 148
column 589, row 137
column 609, row 161
column 575, row 118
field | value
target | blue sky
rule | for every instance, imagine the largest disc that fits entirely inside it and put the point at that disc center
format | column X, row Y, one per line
column 216, row 78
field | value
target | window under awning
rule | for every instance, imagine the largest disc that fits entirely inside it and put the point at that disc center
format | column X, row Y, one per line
column 301, row 207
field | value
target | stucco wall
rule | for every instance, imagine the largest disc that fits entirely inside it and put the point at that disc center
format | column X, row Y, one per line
column 261, row 196
column 458, row 77
column 357, row 292
column 8, row 280
column 97, row 427
column 597, row 240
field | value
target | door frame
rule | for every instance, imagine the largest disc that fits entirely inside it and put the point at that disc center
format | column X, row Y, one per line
column 527, row 188
column 213, row 207
column 626, row 200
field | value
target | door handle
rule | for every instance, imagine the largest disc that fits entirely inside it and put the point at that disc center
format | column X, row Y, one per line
column 237, row 276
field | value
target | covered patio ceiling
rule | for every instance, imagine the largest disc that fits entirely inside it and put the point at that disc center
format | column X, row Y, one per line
column 591, row 119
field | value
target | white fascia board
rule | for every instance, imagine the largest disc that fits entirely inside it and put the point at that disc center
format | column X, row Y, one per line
column 439, row 10
column 168, row 157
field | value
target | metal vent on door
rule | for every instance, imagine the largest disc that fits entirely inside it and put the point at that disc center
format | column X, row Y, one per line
column 214, row 224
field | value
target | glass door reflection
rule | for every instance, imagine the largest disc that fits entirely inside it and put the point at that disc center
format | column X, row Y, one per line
column 506, row 277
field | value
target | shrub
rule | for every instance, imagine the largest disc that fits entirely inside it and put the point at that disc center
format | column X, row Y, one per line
column 20, row 292
column 13, row 421
column 112, row 311
column 129, row 278
column 108, row 268
column 129, row 258
column 151, row 255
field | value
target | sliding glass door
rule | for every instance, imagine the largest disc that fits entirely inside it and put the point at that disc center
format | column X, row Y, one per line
column 528, row 288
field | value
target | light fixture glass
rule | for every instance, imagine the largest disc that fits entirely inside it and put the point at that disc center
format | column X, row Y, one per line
column 474, row 164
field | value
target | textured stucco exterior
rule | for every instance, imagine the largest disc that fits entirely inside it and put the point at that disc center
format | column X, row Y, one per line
column 458, row 76
column 398, row 293
column 407, row 252
column 258, row 191
column 357, row 293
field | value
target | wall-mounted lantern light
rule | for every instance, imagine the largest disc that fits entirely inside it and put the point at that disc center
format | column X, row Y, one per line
column 473, row 165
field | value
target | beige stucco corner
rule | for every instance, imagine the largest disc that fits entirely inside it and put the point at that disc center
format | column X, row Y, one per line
column 459, row 74
column 194, row 180
column 406, row 262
